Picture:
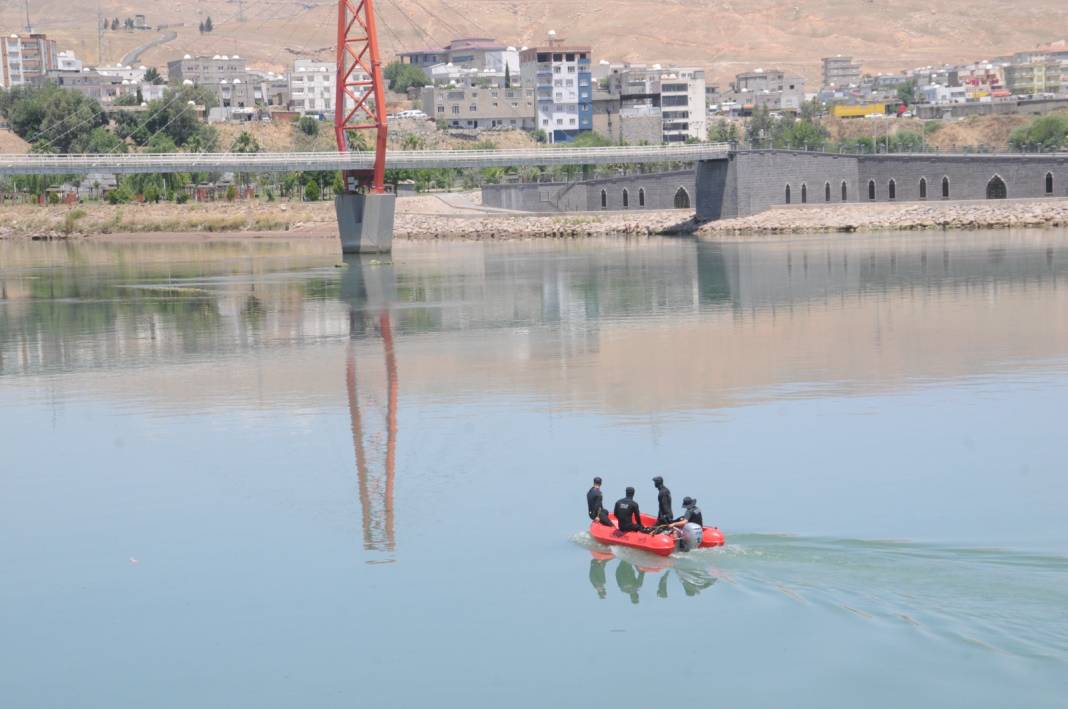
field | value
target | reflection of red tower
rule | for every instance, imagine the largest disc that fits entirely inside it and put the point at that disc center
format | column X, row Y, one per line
column 376, row 493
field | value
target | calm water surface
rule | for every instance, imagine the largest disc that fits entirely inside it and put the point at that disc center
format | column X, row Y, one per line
column 250, row 475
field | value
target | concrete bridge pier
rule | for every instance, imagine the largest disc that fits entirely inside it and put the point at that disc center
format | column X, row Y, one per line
column 365, row 222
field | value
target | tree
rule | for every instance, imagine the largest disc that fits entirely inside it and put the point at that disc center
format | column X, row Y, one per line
column 139, row 97
column 245, row 143
column 507, row 76
column 311, row 191
column 1046, row 133
column 175, row 115
column 231, row 193
column 308, row 126
column 98, row 141
column 804, row 135
column 152, row 76
column 723, row 131
column 906, row 92
column 50, row 118
column 401, row 76
column 161, row 143
column 208, row 26
column 201, row 27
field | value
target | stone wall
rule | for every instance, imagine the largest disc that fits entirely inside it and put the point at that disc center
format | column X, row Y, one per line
column 750, row 182
column 650, row 191
column 968, row 176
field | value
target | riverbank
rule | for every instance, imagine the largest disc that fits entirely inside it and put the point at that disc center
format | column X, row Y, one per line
column 460, row 216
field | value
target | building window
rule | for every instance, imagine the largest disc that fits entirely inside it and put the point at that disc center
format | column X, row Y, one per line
column 804, row 193
column 455, row 108
column 996, row 189
column 626, row 199
column 1049, row 183
column 682, row 198
column 472, row 108
column 945, row 188
column 845, row 192
column 604, row 199
column 871, row 190
column 826, row 191
column 788, row 194
column 891, row 190
column 923, row 188
column 641, row 197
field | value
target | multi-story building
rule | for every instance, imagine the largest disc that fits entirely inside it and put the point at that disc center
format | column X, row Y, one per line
column 26, row 57
column 840, row 72
column 67, row 61
column 677, row 94
column 89, row 83
column 773, row 89
column 560, row 76
column 313, row 86
column 475, row 106
column 233, row 83
column 481, row 53
column 1034, row 77
column 206, row 70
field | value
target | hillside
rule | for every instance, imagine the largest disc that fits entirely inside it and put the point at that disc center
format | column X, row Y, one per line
column 725, row 36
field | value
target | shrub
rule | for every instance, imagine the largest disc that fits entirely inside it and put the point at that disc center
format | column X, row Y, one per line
column 231, row 193
column 312, row 191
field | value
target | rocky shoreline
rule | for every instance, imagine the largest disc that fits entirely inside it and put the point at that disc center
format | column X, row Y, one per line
column 428, row 218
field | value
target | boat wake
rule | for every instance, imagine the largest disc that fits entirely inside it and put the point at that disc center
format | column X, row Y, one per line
column 1005, row 601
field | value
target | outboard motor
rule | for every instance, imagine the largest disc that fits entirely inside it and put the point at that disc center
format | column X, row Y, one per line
column 690, row 538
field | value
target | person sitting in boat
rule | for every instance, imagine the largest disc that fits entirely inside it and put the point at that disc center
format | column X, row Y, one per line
column 664, row 516
column 627, row 513
column 692, row 514
column 690, row 525
column 595, row 503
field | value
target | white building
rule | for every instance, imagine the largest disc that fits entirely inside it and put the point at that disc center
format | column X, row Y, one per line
column 134, row 75
column 69, row 62
column 683, row 104
column 562, row 81
column 313, row 86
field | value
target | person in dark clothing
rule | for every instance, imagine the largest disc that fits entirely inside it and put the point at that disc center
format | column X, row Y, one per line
column 595, row 504
column 627, row 513
column 664, row 515
column 691, row 513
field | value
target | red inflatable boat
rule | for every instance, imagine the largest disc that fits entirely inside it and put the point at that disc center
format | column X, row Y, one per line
column 661, row 544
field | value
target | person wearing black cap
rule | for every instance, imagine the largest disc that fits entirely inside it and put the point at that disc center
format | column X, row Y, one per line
column 692, row 513
column 664, row 515
column 627, row 513
column 595, row 503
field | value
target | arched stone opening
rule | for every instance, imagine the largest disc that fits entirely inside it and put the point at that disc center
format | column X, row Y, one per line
column 788, row 194
column 871, row 190
column 996, row 189
column 945, row 188
column 641, row 197
column 845, row 192
column 923, row 188
column 1049, row 183
column 626, row 199
column 804, row 193
column 604, row 199
column 891, row 189
column 682, row 198
column 827, row 192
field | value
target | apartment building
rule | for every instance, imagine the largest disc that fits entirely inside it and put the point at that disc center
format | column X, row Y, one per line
column 773, row 89
column 676, row 94
column 89, row 83
column 25, row 57
column 481, row 53
column 313, row 86
column 560, row 76
column 1039, row 77
column 840, row 72
column 235, row 86
column 206, row 70
column 475, row 106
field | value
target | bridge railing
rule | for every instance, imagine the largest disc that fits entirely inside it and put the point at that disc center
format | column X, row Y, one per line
column 284, row 162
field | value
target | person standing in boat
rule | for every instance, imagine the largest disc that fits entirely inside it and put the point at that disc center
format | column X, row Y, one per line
column 627, row 513
column 664, row 515
column 595, row 503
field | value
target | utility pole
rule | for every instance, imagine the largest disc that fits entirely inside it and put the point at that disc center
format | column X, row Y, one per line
column 240, row 10
column 29, row 25
column 99, row 36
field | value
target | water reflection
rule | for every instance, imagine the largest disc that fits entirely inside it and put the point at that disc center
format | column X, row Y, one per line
column 368, row 288
column 630, row 576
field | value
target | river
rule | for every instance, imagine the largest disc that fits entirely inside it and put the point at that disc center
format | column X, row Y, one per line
column 250, row 474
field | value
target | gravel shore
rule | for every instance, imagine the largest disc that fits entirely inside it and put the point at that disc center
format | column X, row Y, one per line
column 429, row 217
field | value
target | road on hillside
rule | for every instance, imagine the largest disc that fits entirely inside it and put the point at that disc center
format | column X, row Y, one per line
column 132, row 57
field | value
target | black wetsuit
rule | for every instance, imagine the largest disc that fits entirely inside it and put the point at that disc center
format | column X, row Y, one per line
column 663, row 499
column 628, row 515
column 594, row 501
column 693, row 514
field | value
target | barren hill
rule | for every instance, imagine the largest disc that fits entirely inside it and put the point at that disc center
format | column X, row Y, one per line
column 725, row 36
